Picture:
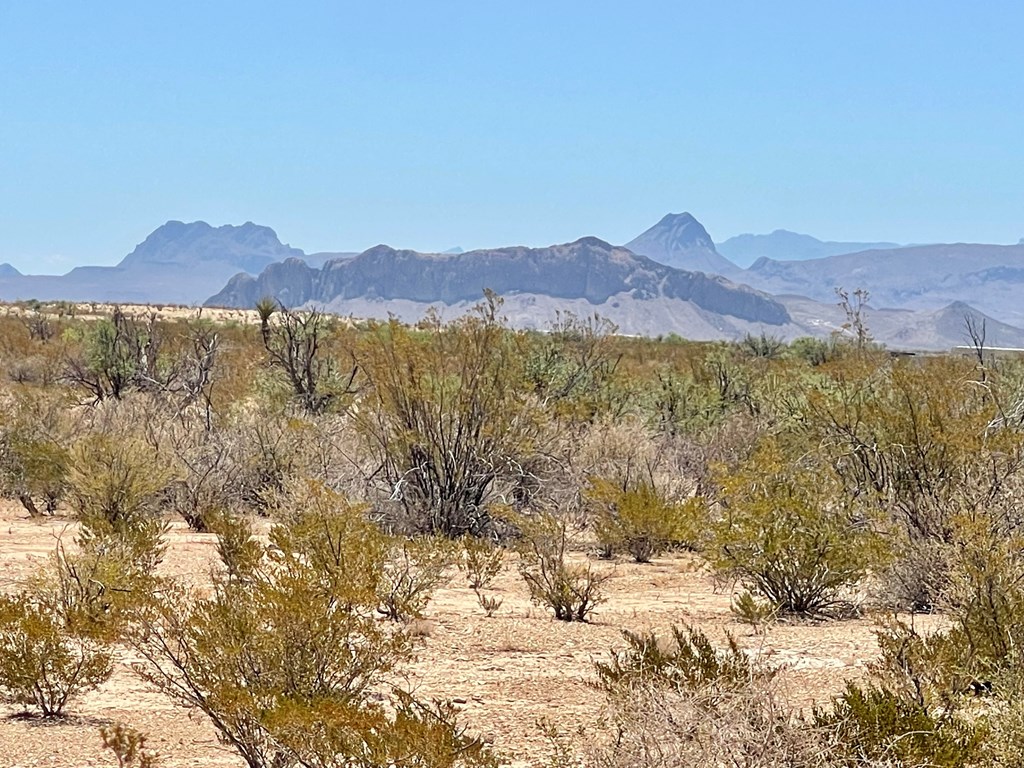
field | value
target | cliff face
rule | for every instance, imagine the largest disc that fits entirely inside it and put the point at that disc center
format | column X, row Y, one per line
column 589, row 269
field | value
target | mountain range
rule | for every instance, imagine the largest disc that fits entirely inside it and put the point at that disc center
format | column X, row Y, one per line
column 177, row 263
column 927, row 277
column 670, row 278
column 783, row 245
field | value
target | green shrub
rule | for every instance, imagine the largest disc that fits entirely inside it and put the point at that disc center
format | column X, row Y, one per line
column 571, row 591
column 289, row 665
column 237, row 549
column 687, row 661
column 482, row 561
column 340, row 546
column 34, row 456
column 116, row 487
column 128, row 746
column 876, row 724
column 787, row 532
column 43, row 663
column 639, row 520
column 750, row 610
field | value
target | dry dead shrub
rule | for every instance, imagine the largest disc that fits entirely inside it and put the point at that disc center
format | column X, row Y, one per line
column 657, row 727
column 693, row 457
column 259, row 450
column 917, row 577
column 414, row 569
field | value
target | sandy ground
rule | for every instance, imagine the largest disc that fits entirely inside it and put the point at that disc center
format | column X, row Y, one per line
column 92, row 311
column 506, row 672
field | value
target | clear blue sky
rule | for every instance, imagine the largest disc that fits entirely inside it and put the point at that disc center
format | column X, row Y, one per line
column 435, row 124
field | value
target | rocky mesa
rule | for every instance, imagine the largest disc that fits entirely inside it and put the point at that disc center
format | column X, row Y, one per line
column 588, row 269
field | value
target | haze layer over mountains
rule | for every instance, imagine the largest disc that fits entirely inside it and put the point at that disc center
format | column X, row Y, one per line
column 671, row 278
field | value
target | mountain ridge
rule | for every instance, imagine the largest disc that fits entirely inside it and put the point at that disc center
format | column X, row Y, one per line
column 588, row 268
column 923, row 277
column 783, row 245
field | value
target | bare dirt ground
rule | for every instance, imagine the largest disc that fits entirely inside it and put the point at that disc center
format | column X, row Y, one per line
column 506, row 673
column 94, row 310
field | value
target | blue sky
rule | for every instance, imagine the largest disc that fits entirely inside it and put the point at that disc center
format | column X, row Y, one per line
column 430, row 125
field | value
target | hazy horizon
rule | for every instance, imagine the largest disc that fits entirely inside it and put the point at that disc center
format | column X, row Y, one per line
column 463, row 125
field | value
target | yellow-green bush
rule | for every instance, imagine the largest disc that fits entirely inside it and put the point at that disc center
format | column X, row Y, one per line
column 637, row 519
column 788, row 533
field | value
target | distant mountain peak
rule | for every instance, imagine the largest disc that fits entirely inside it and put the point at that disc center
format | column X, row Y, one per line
column 591, row 242
column 248, row 247
column 684, row 229
column 680, row 241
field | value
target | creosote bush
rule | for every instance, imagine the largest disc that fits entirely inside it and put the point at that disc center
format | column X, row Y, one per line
column 414, row 569
column 34, row 456
column 239, row 552
column 116, row 485
column 686, row 660
column 788, row 534
column 758, row 613
column 128, row 746
column 875, row 724
column 284, row 663
column 638, row 520
column 482, row 561
column 44, row 661
column 571, row 591
column 680, row 701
